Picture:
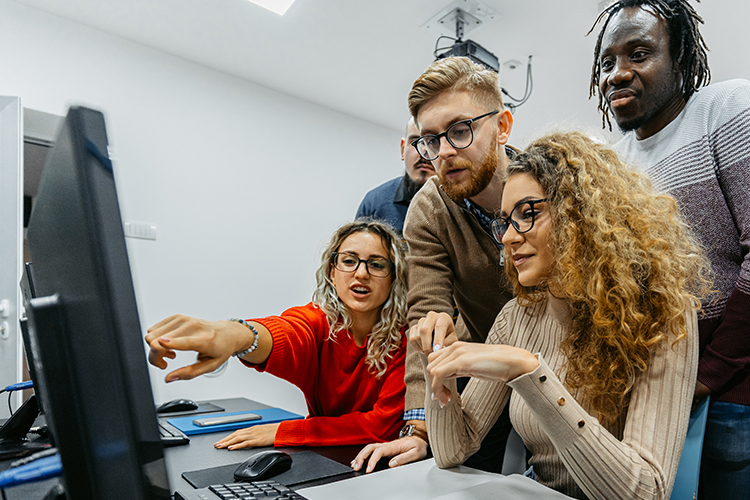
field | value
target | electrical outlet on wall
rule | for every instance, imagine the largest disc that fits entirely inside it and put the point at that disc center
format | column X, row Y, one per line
column 142, row 230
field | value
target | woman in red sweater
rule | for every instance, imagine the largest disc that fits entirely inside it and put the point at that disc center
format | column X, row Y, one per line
column 345, row 350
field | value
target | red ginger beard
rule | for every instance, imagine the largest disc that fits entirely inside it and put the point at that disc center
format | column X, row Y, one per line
column 480, row 177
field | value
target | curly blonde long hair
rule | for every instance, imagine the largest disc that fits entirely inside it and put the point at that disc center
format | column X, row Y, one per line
column 385, row 338
column 624, row 259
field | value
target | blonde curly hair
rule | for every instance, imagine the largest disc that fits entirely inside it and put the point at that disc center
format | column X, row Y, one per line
column 624, row 259
column 385, row 338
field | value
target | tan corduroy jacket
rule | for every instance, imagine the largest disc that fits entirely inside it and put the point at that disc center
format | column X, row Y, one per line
column 451, row 258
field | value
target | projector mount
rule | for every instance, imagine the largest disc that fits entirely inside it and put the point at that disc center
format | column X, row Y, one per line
column 477, row 53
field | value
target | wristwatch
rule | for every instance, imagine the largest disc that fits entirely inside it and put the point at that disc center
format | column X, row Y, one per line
column 413, row 430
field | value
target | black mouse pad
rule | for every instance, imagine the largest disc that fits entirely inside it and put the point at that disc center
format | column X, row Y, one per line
column 306, row 466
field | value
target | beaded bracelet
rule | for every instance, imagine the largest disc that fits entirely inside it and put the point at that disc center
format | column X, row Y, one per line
column 253, row 347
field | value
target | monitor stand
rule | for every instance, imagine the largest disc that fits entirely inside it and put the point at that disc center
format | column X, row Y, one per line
column 14, row 442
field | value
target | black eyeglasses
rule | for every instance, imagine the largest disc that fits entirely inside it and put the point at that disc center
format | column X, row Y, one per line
column 378, row 267
column 521, row 218
column 460, row 135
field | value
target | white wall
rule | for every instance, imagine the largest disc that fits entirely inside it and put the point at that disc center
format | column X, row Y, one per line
column 563, row 57
column 11, row 229
column 245, row 184
column 725, row 33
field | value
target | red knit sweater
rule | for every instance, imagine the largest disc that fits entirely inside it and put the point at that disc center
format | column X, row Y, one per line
column 347, row 405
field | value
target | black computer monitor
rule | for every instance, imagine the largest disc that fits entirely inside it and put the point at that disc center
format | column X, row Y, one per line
column 27, row 293
column 84, row 329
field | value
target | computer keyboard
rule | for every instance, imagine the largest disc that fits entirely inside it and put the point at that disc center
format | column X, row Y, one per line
column 257, row 490
column 172, row 436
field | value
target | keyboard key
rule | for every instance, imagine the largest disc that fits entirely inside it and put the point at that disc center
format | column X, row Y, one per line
column 259, row 490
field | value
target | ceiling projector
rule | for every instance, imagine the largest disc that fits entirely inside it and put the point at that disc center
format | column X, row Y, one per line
column 473, row 51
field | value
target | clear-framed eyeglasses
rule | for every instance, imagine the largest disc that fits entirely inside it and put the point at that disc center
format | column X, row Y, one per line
column 522, row 219
column 460, row 135
column 378, row 267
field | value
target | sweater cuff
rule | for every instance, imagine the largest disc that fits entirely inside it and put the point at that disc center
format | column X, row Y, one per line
column 715, row 368
column 551, row 403
column 290, row 433
column 281, row 349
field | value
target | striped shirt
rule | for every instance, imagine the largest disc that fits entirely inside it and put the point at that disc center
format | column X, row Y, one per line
column 702, row 158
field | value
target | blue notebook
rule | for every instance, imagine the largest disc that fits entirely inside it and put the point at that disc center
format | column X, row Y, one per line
column 268, row 416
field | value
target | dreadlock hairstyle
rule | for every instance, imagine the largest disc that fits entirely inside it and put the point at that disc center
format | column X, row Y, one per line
column 686, row 45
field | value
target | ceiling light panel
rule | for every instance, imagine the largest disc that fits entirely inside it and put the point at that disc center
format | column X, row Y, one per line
column 277, row 6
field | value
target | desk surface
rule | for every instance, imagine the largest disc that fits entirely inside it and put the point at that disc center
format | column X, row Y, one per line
column 425, row 481
column 421, row 480
column 201, row 454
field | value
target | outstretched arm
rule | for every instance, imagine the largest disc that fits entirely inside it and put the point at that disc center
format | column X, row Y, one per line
column 214, row 341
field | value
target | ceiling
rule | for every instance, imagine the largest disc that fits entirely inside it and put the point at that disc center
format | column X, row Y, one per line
column 358, row 57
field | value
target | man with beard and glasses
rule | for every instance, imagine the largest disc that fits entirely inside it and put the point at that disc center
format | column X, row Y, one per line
column 649, row 64
column 390, row 200
column 458, row 107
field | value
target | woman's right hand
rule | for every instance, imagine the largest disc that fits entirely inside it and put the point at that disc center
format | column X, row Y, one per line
column 433, row 332
column 214, row 341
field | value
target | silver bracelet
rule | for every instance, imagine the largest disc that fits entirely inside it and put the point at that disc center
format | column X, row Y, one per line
column 241, row 354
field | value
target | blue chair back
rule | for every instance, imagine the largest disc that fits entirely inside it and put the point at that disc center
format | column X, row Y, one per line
column 686, row 480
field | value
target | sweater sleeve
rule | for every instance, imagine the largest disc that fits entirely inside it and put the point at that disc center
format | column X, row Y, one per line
column 296, row 335
column 430, row 282
column 380, row 424
column 457, row 430
column 640, row 466
column 644, row 463
column 728, row 351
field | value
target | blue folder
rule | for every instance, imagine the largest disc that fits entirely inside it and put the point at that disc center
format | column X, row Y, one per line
column 268, row 416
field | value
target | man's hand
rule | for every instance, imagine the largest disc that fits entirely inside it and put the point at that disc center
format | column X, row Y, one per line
column 403, row 450
column 256, row 436
column 432, row 332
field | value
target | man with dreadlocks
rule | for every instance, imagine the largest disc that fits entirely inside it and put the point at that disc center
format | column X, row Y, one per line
column 649, row 62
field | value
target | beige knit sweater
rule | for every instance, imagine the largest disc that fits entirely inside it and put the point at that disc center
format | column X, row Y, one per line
column 634, row 458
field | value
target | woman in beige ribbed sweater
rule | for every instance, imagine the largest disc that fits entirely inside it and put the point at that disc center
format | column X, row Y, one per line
column 597, row 355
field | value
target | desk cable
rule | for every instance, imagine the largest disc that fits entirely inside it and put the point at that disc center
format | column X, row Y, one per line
column 16, row 387
column 43, row 468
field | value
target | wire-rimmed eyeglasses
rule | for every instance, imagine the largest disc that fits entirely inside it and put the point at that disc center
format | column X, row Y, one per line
column 521, row 218
column 460, row 135
column 378, row 267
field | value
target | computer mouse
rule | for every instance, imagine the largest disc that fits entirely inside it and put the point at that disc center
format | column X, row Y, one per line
column 263, row 465
column 177, row 405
